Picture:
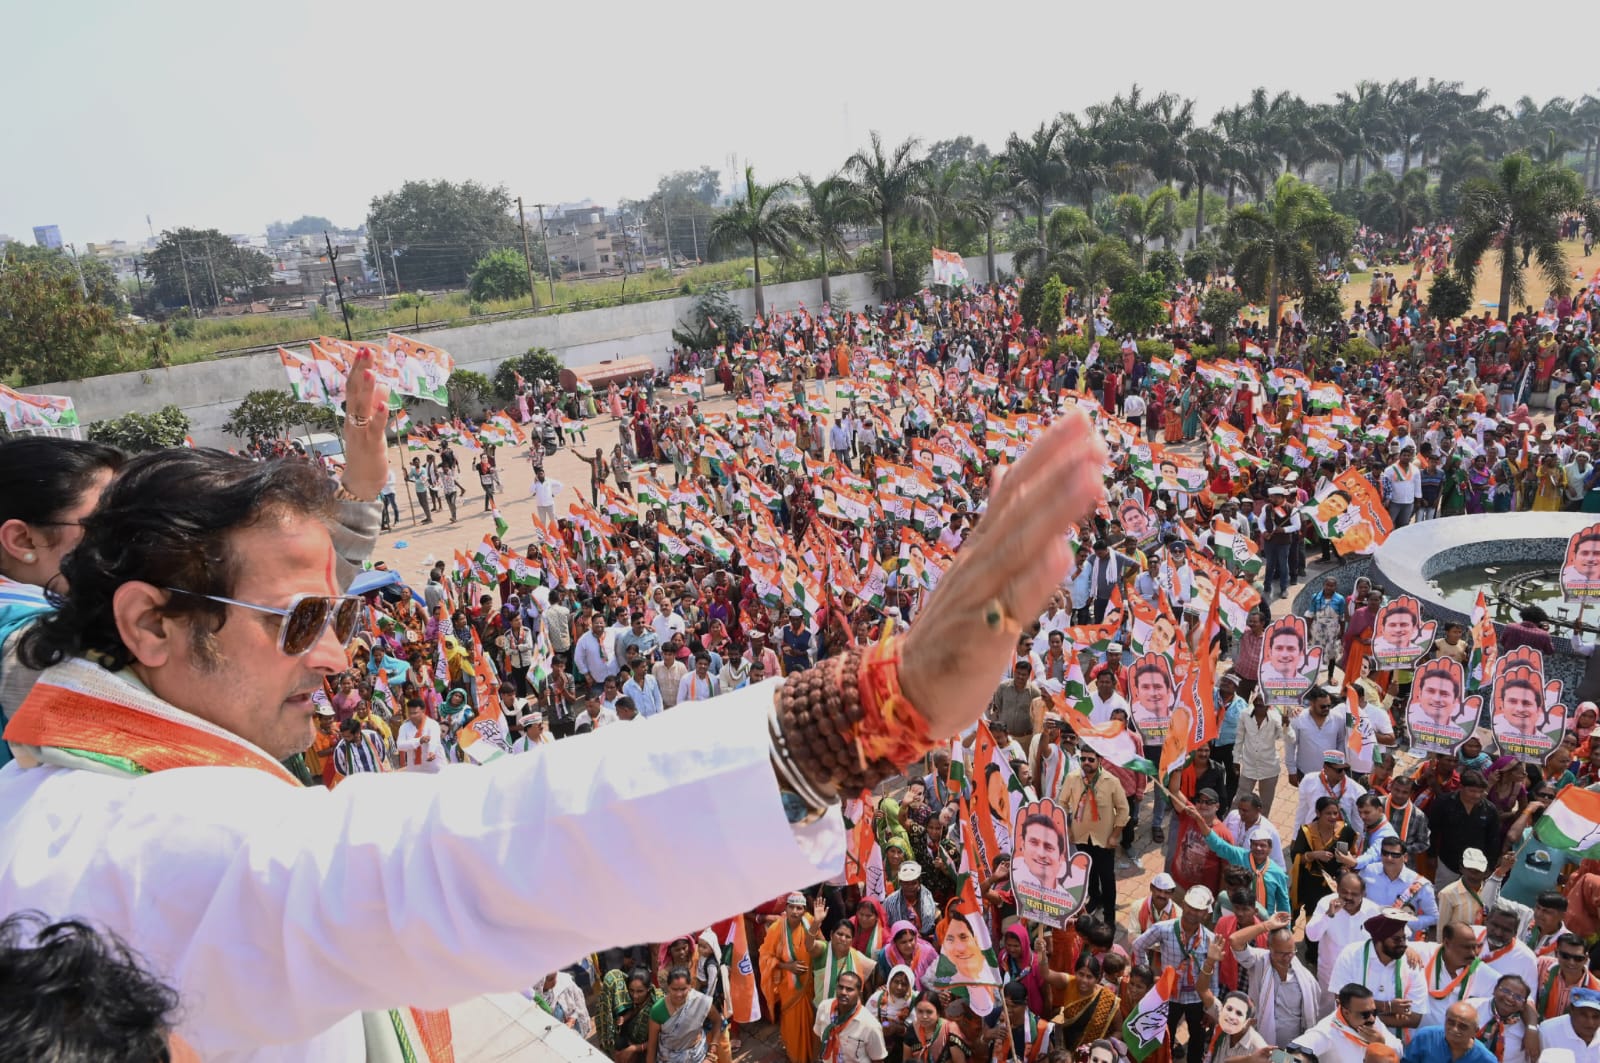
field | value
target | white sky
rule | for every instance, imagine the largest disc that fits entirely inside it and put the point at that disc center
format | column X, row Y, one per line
column 232, row 115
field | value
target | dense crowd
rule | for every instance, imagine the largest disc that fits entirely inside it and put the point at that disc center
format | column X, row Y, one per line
column 1414, row 908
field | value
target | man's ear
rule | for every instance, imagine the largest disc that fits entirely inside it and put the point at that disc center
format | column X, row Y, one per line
column 150, row 635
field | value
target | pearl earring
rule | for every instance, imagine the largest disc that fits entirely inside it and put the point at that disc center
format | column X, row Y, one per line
column 30, row 557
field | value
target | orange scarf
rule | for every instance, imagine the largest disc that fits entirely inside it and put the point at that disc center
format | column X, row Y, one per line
column 1458, row 981
column 80, row 708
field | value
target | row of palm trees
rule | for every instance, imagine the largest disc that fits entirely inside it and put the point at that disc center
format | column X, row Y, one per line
column 1097, row 162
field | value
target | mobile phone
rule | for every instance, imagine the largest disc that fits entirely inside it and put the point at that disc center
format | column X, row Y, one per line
column 1280, row 1055
column 1343, row 847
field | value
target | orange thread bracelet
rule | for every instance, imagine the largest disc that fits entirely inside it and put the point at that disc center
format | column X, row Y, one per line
column 891, row 728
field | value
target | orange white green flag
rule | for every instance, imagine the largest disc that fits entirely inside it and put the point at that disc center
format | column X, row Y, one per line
column 1146, row 1028
column 1572, row 823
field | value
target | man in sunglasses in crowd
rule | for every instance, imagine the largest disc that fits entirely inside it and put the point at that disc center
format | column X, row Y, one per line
column 1346, row 1035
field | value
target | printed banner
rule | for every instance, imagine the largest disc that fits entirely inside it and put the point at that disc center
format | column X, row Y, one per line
column 1350, row 513
column 949, row 268
column 1138, row 522
column 1289, row 665
column 23, row 411
column 1399, row 637
column 1440, row 717
column 1528, row 719
column 1050, row 885
column 1580, row 572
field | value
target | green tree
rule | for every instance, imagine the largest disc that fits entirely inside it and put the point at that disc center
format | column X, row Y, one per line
column 202, row 268
column 1322, row 305
column 267, row 414
column 987, row 184
column 1167, row 264
column 892, row 184
column 139, row 432
column 1220, row 309
column 1515, row 216
column 48, row 331
column 760, row 218
column 942, row 153
column 697, row 332
column 501, row 274
column 1138, row 306
column 1449, row 297
column 438, row 230
column 1141, row 221
column 911, row 258
column 305, row 225
column 1092, row 268
column 99, row 282
column 832, row 207
column 1198, row 262
column 537, row 364
column 1052, row 303
column 1037, row 172
column 468, row 392
column 1277, row 243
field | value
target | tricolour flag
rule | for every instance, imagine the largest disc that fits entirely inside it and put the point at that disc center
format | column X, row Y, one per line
column 1481, row 665
column 1572, row 823
column 1111, row 740
column 743, row 1001
column 1233, row 548
column 501, row 525
column 1146, row 1028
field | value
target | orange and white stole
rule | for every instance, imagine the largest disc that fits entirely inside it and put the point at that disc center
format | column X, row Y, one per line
column 80, row 715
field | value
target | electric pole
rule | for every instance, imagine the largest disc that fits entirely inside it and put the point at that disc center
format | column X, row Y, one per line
column 394, row 261
column 549, row 259
column 183, row 261
column 333, row 264
column 82, row 286
column 377, row 260
column 527, row 256
column 216, row 296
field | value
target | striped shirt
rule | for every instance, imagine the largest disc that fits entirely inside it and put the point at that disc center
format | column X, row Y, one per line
column 1186, row 955
column 363, row 754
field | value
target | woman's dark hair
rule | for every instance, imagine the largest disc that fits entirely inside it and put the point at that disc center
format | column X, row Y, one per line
column 41, row 477
column 166, row 520
column 1087, row 962
column 931, row 997
column 675, row 973
column 73, row 994
column 639, row 974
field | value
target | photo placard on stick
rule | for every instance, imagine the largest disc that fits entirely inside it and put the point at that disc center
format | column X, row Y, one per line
column 1049, row 880
column 1528, row 719
column 1580, row 571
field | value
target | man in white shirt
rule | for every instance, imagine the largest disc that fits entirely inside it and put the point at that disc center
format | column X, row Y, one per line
column 544, row 496
column 641, row 686
column 1246, row 821
column 1447, row 971
column 1332, row 781
column 666, row 621
column 1578, row 1031
column 595, row 655
column 699, row 684
column 1501, row 947
column 1339, row 919
column 1378, row 960
column 1402, row 482
column 534, row 733
column 419, row 740
column 1345, row 1035
column 595, row 715
column 848, row 1031
column 1104, row 698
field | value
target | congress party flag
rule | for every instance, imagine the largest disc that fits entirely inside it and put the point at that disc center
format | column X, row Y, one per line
column 949, row 268
column 743, row 1002
column 1234, row 549
column 1146, row 1028
column 1112, row 740
column 1572, row 823
column 1481, row 665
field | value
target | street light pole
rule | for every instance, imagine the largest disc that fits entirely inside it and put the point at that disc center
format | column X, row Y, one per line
column 549, row 260
column 527, row 256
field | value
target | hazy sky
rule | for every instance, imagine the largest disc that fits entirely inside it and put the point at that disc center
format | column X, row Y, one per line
column 232, row 115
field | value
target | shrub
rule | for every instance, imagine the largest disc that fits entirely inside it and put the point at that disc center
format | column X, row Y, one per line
column 1051, row 303
column 1449, row 297
column 139, row 432
column 1165, row 264
column 537, row 364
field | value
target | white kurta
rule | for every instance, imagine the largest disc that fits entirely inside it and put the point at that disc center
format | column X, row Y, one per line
column 278, row 914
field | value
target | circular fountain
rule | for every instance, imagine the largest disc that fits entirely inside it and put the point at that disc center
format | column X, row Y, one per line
column 1513, row 558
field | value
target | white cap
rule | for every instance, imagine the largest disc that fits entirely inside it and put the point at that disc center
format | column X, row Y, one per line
column 1474, row 860
column 910, row 871
column 1197, row 897
column 1163, row 881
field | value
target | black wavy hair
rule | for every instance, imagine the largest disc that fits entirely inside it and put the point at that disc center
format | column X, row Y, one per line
column 166, row 520
column 72, row 994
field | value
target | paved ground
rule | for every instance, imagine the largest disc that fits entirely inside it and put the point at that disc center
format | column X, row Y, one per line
column 411, row 548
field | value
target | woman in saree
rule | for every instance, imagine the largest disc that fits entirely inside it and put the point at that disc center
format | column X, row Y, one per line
column 1549, row 485
column 683, row 1023
column 622, row 1020
column 891, row 1006
column 1091, row 1011
column 1358, row 632
column 1017, row 962
column 905, row 947
column 710, row 977
column 1453, row 488
column 679, row 952
column 871, row 926
column 1480, row 485
column 1312, row 854
column 1189, row 407
column 931, row 1038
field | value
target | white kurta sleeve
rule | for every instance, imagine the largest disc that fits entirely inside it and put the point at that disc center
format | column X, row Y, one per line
column 276, row 912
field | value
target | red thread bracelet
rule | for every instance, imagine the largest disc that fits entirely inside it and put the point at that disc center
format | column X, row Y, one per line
column 891, row 728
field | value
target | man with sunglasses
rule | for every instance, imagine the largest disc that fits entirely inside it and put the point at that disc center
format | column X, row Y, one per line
column 1506, row 1018
column 1561, row 974
column 1345, row 1035
column 1391, row 884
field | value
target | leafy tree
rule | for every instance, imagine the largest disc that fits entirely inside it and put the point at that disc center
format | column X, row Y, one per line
column 697, row 333
column 99, row 282
column 1067, row 228
column 1031, row 299
column 48, row 331
column 266, row 414
column 678, row 213
column 1137, row 307
column 139, row 432
column 1278, row 243
column 216, row 269
column 537, row 364
column 1220, row 309
column 832, row 206
column 305, row 225
column 942, row 153
column 1322, row 305
column 501, row 274
column 1102, row 264
column 1198, row 262
column 988, row 183
column 1515, row 216
column 1449, row 297
column 760, row 218
column 911, row 258
column 1052, row 303
column 468, row 392
column 893, row 184
column 1167, row 264
column 439, row 230
column 1036, row 169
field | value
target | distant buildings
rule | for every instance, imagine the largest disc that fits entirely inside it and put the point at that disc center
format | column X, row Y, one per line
column 47, row 236
column 578, row 239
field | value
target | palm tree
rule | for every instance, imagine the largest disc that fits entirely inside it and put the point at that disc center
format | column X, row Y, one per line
column 1277, row 242
column 831, row 206
column 1402, row 201
column 1202, row 163
column 988, row 184
column 1083, row 172
column 891, row 184
column 1515, row 215
column 760, row 217
column 1142, row 220
column 1455, row 166
column 1067, row 229
column 1366, row 113
column 1036, row 168
column 947, row 201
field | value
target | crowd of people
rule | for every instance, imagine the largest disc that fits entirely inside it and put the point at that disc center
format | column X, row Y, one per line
column 1413, row 910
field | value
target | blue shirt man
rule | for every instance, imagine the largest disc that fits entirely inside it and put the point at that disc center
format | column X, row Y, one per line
column 1432, row 1044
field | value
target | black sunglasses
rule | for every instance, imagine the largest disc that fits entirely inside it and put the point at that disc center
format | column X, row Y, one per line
column 303, row 622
